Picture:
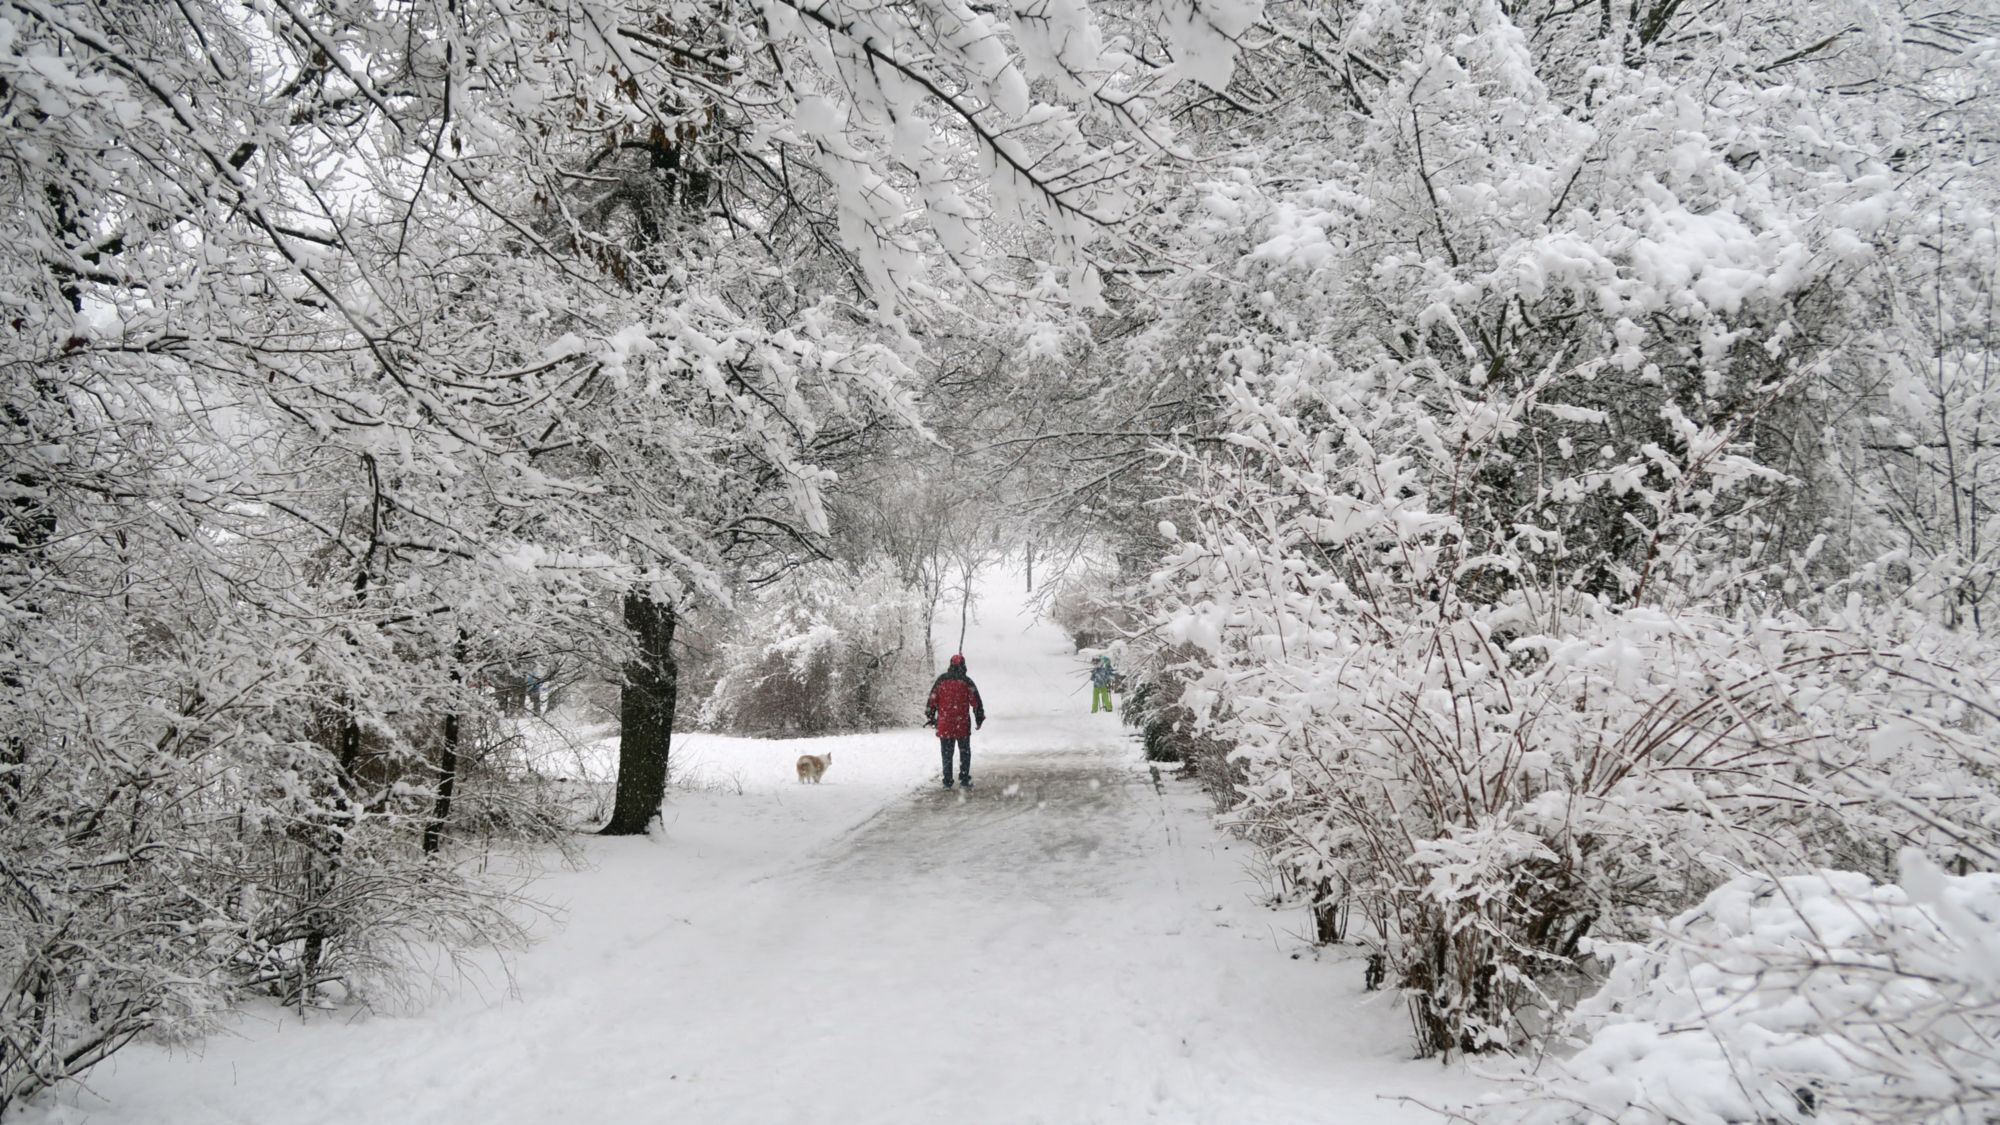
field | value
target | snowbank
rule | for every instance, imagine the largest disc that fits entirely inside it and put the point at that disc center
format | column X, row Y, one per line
column 1824, row 998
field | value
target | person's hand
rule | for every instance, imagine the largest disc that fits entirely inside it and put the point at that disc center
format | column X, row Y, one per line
column 978, row 724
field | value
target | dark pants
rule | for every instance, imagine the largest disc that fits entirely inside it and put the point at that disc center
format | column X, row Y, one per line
column 964, row 757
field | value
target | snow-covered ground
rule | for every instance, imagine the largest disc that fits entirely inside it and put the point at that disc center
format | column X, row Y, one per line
column 1069, row 942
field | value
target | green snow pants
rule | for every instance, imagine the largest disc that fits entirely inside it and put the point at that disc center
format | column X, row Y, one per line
column 1097, row 695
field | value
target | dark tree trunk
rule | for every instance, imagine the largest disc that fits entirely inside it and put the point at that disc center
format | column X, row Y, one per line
column 27, row 523
column 447, row 784
column 645, row 718
column 447, row 762
column 1329, row 915
column 323, row 871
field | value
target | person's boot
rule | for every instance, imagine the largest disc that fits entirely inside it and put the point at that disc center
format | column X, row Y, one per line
column 965, row 783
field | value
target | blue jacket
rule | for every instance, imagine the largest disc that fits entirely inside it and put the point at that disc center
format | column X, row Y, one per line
column 1102, row 675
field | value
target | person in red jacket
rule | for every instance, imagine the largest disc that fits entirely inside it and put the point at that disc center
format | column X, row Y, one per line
column 955, row 709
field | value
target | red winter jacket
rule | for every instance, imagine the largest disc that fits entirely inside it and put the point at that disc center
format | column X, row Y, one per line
column 954, row 703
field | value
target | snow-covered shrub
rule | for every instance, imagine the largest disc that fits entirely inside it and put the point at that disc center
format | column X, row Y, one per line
column 1091, row 602
column 1495, row 765
column 509, row 792
column 1151, row 703
column 1536, row 554
column 1817, row 999
column 1169, row 730
column 826, row 648
column 184, row 822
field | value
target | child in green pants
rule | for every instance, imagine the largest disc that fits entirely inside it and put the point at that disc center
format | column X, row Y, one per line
column 1100, row 684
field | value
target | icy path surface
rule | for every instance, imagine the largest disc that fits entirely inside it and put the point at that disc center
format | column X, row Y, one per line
column 1069, row 942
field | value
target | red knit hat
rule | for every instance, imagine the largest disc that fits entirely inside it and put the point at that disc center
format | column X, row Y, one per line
column 956, row 659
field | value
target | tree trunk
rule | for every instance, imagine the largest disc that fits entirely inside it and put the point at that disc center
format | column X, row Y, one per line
column 964, row 604
column 447, row 762
column 1031, row 568
column 645, row 717
column 447, row 783
column 323, row 871
column 933, row 594
column 27, row 524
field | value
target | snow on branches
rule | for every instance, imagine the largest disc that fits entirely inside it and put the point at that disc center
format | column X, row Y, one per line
column 362, row 356
column 1537, row 558
column 1821, row 997
column 1493, row 763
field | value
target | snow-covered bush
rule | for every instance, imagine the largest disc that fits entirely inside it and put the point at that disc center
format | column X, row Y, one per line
column 1156, row 680
column 1495, row 766
column 826, row 648
column 1817, row 999
column 1536, row 552
column 1092, row 602
column 187, row 814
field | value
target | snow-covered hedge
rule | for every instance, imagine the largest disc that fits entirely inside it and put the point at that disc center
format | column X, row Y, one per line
column 829, row 648
column 1585, row 519
column 1826, row 998
column 1493, row 765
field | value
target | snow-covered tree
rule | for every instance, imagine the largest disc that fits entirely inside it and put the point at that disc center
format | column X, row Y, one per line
column 1552, row 350
column 357, row 353
column 828, row 648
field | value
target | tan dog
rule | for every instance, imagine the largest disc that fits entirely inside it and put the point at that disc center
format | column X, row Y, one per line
column 812, row 767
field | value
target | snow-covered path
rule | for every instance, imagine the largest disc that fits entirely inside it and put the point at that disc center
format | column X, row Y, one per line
column 1069, row 942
